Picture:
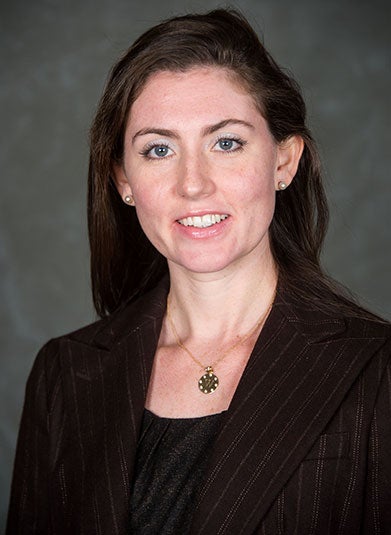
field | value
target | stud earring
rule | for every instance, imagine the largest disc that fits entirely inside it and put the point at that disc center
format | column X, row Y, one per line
column 129, row 200
column 282, row 185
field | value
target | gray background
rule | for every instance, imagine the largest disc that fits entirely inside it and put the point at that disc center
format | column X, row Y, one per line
column 56, row 56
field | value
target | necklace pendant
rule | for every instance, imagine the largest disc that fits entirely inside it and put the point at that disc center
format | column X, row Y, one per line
column 209, row 381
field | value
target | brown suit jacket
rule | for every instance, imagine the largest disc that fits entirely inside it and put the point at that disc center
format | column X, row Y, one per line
column 305, row 447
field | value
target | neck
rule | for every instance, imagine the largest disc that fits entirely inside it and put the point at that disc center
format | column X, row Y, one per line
column 223, row 305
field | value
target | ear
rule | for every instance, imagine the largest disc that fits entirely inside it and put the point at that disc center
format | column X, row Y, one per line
column 288, row 158
column 121, row 181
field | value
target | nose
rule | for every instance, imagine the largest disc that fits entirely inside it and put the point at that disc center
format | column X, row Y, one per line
column 194, row 178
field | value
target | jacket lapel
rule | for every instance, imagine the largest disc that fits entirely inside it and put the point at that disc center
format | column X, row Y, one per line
column 297, row 376
column 106, row 382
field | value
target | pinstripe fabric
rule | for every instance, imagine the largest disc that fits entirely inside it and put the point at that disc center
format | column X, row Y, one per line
column 305, row 447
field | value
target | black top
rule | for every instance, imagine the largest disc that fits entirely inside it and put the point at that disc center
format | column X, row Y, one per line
column 171, row 459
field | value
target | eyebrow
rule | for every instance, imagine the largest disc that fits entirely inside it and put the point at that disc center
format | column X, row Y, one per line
column 157, row 131
column 222, row 124
column 206, row 131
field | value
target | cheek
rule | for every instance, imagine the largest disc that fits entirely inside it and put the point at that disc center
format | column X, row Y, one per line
column 256, row 184
column 150, row 208
column 147, row 212
column 147, row 191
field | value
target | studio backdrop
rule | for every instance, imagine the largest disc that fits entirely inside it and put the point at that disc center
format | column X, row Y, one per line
column 55, row 58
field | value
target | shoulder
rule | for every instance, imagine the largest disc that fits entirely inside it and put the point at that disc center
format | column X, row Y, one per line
column 356, row 343
column 367, row 328
column 104, row 333
column 335, row 317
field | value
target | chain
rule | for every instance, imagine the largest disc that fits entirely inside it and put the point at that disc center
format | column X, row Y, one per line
column 241, row 340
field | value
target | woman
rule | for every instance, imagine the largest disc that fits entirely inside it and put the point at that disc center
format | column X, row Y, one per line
column 230, row 386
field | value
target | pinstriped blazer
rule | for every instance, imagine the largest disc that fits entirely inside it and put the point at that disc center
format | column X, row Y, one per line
column 305, row 447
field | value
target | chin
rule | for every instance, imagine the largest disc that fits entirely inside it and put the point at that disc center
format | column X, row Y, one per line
column 205, row 264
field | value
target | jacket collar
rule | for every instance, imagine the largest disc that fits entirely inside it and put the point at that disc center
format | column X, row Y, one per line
column 310, row 322
column 131, row 318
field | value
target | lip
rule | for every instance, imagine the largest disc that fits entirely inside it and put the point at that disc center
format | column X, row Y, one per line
column 212, row 231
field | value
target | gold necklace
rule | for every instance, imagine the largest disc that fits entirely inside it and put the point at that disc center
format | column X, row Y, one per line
column 209, row 381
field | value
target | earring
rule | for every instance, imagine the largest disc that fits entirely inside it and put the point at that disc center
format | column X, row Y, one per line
column 129, row 200
column 282, row 185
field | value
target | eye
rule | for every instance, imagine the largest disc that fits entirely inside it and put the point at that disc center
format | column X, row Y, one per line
column 160, row 151
column 228, row 144
column 156, row 151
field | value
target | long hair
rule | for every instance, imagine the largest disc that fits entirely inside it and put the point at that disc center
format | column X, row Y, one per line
column 124, row 264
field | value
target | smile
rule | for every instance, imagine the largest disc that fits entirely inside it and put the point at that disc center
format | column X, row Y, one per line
column 204, row 221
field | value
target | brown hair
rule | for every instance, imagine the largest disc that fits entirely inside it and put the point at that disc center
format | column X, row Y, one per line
column 124, row 264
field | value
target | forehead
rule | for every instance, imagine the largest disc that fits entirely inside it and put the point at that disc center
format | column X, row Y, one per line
column 197, row 92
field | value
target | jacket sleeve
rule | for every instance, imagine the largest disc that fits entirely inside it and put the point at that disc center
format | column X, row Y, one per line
column 377, row 508
column 29, row 507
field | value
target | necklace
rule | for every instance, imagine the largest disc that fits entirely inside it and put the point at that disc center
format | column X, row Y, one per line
column 209, row 381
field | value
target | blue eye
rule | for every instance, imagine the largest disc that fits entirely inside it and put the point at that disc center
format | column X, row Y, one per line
column 160, row 151
column 228, row 144
column 155, row 151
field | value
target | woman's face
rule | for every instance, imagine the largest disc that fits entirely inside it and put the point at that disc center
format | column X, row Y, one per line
column 203, row 169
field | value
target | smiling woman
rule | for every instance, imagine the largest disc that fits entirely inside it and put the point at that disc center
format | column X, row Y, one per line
column 227, row 370
column 193, row 156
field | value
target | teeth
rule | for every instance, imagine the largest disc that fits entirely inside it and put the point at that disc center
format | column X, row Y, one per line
column 204, row 221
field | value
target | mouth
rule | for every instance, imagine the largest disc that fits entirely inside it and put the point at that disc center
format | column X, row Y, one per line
column 203, row 221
